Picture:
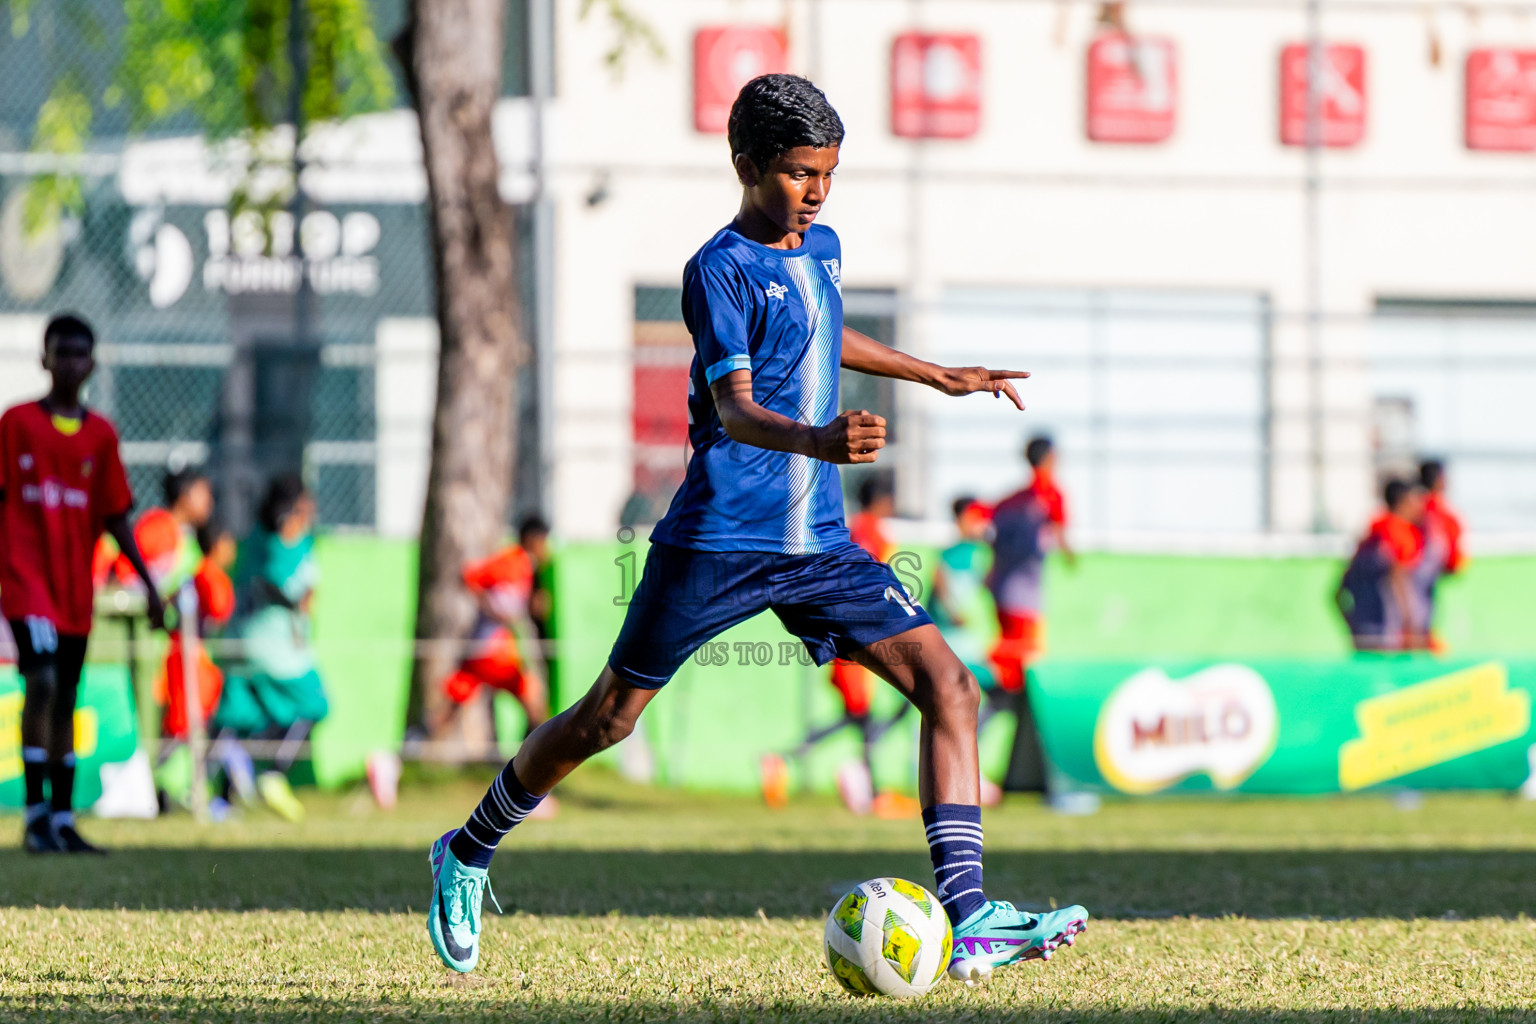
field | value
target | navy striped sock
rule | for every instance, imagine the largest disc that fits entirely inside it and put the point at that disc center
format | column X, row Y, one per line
column 954, row 845
column 505, row 804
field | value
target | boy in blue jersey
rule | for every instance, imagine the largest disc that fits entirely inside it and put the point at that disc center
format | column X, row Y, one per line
column 758, row 524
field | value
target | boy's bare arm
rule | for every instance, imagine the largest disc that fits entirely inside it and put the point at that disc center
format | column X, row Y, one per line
column 864, row 354
column 852, row 437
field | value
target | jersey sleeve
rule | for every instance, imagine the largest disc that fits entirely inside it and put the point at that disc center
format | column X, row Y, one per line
column 719, row 309
column 113, row 495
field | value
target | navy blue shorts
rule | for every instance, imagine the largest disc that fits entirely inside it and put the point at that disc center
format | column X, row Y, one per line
column 836, row 602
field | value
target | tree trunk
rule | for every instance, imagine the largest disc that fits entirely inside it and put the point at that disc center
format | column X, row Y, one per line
column 452, row 50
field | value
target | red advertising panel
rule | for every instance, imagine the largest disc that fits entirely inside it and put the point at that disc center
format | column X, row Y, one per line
column 1132, row 89
column 725, row 59
column 1341, row 113
column 1501, row 100
column 935, row 86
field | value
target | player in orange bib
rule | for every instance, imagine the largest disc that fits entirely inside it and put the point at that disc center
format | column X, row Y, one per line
column 503, row 586
column 61, row 485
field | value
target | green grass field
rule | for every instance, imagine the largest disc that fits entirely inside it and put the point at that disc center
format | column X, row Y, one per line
column 639, row 904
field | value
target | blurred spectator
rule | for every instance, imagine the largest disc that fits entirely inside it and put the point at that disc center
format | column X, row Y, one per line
column 1026, row 526
column 1377, row 596
column 507, row 596
column 278, row 694
column 1442, row 542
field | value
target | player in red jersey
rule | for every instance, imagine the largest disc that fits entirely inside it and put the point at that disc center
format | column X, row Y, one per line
column 1442, row 555
column 61, row 484
column 504, row 589
column 1026, row 525
column 1377, row 597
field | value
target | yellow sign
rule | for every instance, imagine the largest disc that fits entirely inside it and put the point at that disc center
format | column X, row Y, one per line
column 86, row 734
column 1433, row 722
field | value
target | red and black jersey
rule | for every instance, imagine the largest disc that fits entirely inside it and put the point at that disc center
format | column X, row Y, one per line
column 59, row 488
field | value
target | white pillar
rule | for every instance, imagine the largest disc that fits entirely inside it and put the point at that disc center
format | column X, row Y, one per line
column 405, row 396
column 21, row 350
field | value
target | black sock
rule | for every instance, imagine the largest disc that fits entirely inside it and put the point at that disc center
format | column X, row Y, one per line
column 34, row 770
column 62, row 776
column 504, row 805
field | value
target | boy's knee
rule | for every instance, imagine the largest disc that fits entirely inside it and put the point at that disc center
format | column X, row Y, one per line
column 42, row 683
column 603, row 729
column 955, row 692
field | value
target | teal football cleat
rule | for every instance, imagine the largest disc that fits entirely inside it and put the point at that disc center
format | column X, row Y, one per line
column 999, row 933
column 453, row 918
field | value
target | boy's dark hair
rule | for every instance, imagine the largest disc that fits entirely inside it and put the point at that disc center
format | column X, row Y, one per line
column 874, row 487
column 774, row 114
column 209, row 535
column 1431, row 472
column 962, row 503
column 1395, row 490
column 531, row 525
column 283, row 493
column 1037, row 449
column 178, row 483
column 67, row 325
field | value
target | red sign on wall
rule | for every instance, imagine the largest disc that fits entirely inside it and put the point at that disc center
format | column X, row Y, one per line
column 1341, row 113
column 935, row 86
column 725, row 59
column 1132, row 89
column 1501, row 100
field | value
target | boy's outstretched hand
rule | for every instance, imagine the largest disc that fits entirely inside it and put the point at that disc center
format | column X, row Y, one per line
column 854, row 437
column 967, row 380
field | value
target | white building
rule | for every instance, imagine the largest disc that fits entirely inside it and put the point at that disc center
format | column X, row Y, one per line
column 1231, row 337
column 1160, row 292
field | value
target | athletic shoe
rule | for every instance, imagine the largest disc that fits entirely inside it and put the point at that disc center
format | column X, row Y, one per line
column 453, row 916
column 38, row 837
column 71, row 841
column 775, row 777
column 999, row 933
column 278, row 795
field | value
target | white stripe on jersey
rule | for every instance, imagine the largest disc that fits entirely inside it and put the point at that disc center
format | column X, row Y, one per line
column 818, row 390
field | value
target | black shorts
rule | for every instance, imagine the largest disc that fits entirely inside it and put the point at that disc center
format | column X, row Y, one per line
column 39, row 644
column 836, row 602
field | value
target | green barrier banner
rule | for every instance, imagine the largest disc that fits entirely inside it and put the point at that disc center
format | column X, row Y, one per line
column 1287, row 727
column 104, row 732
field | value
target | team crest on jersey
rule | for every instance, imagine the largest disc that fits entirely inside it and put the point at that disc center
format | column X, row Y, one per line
column 776, row 290
column 86, row 467
column 25, row 461
column 835, row 272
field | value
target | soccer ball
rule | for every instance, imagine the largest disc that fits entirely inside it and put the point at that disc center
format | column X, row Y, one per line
column 888, row 936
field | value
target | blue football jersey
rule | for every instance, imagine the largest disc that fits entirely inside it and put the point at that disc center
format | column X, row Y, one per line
column 778, row 313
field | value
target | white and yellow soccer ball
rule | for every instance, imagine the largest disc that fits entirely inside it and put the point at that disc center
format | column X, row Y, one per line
column 888, row 936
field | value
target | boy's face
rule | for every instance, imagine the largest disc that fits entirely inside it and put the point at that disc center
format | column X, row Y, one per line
column 536, row 544
column 1411, row 505
column 224, row 551
column 197, row 502
column 790, row 190
column 69, row 359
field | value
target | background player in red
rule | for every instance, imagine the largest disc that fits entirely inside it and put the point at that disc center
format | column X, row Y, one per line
column 1381, row 606
column 1442, row 542
column 61, row 484
column 1026, row 525
column 504, row 588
